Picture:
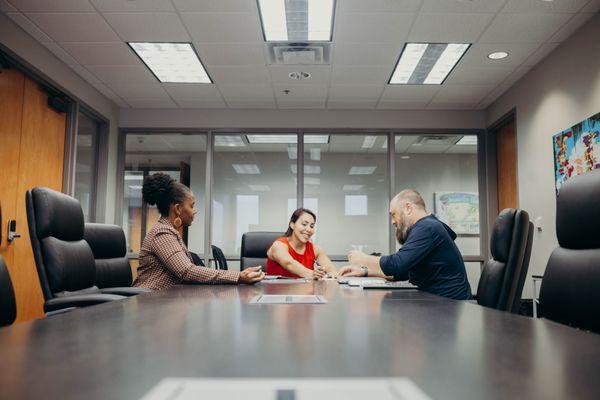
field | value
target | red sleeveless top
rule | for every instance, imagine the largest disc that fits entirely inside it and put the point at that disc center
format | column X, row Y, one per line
column 307, row 259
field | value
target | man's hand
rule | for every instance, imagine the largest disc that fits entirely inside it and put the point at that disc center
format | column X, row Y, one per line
column 251, row 275
column 316, row 274
column 351, row 270
column 356, row 257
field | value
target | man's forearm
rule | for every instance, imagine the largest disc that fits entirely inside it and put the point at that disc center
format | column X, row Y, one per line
column 372, row 263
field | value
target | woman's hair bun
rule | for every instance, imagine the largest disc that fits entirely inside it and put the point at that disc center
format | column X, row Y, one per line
column 156, row 188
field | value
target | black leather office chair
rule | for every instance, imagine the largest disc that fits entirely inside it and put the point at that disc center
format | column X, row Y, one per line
column 110, row 256
column 219, row 258
column 64, row 260
column 570, row 291
column 254, row 248
column 196, row 259
column 502, row 277
column 8, row 305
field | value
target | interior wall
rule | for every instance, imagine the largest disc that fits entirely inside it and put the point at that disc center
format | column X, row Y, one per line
column 46, row 64
column 561, row 91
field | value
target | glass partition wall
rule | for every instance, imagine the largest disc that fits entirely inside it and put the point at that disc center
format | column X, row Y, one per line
column 256, row 180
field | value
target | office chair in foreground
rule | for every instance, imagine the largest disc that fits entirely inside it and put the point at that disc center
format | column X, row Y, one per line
column 8, row 305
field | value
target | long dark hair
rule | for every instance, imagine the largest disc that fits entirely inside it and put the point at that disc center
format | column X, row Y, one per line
column 162, row 190
column 295, row 215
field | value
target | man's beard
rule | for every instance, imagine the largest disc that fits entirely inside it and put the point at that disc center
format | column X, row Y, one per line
column 402, row 230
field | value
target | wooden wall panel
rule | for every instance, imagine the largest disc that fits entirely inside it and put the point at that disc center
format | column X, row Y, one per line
column 506, row 140
column 41, row 163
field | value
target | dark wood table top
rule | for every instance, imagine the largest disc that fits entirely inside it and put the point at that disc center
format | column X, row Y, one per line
column 451, row 349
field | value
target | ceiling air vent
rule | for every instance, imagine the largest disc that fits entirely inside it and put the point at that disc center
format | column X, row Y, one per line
column 437, row 140
column 299, row 53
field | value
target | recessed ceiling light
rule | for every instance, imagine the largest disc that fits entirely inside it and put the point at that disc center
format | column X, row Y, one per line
column 368, row 142
column 135, row 187
column 362, row 170
column 312, row 181
column 405, row 157
column 259, row 188
column 229, row 141
column 172, row 62
column 292, row 152
column 467, row 141
column 352, row 187
column 308, row 169
column 296, row 20
column 246, row 169
column 427, row 63
column 286, row 139
column 315, row 153
column 299, row 75
column 498, row 55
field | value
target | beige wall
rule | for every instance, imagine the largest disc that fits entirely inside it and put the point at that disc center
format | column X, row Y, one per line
column 561, row 91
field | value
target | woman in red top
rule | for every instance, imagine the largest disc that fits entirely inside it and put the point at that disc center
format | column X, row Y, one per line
column 294, row 256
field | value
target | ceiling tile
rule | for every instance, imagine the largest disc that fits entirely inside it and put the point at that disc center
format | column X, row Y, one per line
column 301, row 91
column 356, row 54
column 478, row 76
column 402, row 105
column 360, row 75
column 86, row 75
column 449, row 28
column 462, row 6
column 300, row 103
column 6, row 7
column 355, row 105
column 138, row 91
column 570, row 27
column 200, row 103
column 223, row 27
column 53, row 5
column 29, row 27
column 353, row 6
column 251, row 104
column 244, row 93
column 477, row 55
column 148, row 27
column 537, row 6
column 123, row 74
column 318, row 73
column 592, row 7
column 453, row 105
column 132, row 6
column 541, row 53
column 216, row 5
column 354, row 93
column 75, row 27
column 235, row 75
column 105, row 90
column 102, row 53
column 192, row 91
column 150, row 103
column 523, row 28
column 461, row 93
column 504, row 86
column 372, row 27
column 409, row 93
column 60, row 53
column 233, row 54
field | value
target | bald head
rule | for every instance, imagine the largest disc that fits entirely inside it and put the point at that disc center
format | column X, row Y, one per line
column 409, row 196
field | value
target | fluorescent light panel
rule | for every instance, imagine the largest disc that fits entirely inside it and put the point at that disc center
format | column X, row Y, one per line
column 308, row 169
column 259, row 188
column 296, row 20
column 292, row 152
column 286, row 139
column 246, row 169
column 427, row 63
column 362, row 170
column 368, row 142
column 352, row 187
column 172, row 62
column 229, row 141
column 467, row 141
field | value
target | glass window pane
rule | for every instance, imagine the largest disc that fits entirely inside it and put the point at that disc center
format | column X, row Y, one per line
column 346, row 184
column 169, row 153
column 443, row 169
column 254, row 186
column 85, row 168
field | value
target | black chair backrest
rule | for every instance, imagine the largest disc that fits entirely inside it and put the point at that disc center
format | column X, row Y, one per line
column 520, row 281
column 570, row 291
column 501, row 275
column 254, row 248
column 196, row 259
column 64, row 260
column 8, row 305
column 219, row 258
column 110, row 253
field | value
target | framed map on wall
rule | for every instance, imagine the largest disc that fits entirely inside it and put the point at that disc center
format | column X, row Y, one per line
column 460, row 210
column 576, row 150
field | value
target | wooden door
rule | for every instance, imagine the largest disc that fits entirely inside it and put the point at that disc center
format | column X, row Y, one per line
column 506, row 141
column 40, row 154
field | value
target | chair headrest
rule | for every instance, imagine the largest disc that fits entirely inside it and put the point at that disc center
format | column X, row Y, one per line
column 502, row 232
column 57, row 215
column 106, row 241
column 578, row 213
column 256, row 244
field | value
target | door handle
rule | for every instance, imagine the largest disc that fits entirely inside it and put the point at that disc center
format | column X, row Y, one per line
column 12, row 231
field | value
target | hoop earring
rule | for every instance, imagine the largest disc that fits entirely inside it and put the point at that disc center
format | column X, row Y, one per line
column 177, row 222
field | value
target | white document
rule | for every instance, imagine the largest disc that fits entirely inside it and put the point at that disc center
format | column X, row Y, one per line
column 286, row 389
column 359, row 280
column 287, row 299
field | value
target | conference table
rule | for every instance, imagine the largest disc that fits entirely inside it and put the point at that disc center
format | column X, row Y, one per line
column 449, row 349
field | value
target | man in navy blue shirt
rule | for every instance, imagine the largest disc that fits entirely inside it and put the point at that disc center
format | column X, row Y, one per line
column 428, row 258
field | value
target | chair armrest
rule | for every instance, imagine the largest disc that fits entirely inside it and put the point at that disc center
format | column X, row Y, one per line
column 125, row 291
column 58, row 303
